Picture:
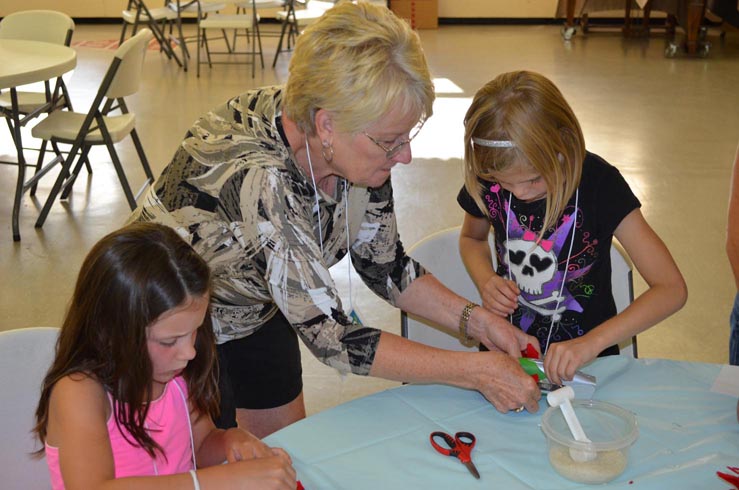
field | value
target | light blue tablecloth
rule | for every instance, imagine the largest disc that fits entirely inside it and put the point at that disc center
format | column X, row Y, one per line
column 380, row 442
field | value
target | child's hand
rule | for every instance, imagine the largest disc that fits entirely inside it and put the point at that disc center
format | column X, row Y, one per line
column 564, row 358
column 500, row 295
column 498, row 334
column 274, row 472
column 241, row 445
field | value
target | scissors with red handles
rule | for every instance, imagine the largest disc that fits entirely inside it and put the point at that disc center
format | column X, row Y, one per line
column 460, row 447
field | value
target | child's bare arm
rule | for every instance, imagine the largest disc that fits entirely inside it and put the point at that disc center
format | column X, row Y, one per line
column 666, row 294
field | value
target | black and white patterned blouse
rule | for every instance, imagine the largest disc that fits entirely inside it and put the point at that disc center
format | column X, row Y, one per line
column 233, row 190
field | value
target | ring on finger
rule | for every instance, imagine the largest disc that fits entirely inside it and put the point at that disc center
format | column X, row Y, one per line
column 519, row 409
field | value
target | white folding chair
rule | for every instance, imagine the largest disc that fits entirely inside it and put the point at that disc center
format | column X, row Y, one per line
column 439, row 253
column 25, row 356
column 248, row 21
column 47, row 26
column 192, row 8
column 99, row 126
column 622, row 287
column 294, row 20
column 137, row 13
column 259, row 6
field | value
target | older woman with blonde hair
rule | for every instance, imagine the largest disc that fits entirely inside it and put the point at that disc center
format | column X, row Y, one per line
column 278, row 184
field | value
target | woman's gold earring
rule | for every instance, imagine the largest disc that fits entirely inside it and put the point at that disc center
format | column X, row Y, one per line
column 330, row 148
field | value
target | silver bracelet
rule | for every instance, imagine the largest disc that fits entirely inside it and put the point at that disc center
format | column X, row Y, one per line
column 195, row 482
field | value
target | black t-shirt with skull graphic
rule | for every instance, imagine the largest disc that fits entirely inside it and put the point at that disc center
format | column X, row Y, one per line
column 539, row 269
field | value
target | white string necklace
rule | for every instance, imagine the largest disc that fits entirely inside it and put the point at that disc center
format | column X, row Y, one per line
column 189, row 426
column 567, row 262
column 346, row 220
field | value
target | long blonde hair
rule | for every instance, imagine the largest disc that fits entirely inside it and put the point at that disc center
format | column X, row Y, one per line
column 529, row 111
column 358, row 61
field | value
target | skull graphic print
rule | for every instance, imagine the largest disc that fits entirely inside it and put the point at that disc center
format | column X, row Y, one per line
column 534, row 266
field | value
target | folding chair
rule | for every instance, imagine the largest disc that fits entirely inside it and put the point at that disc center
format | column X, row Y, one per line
column 439, row 252
column 156, row 19
column 44, row 26
column 98, row 126
column 259, row 5
column 292, row 19
column 25, row 356
column 622, row 287
column 198, row 8
column 48, row 26
column 247, row 21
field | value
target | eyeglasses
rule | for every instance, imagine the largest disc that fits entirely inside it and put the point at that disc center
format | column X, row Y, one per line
column 392, row 151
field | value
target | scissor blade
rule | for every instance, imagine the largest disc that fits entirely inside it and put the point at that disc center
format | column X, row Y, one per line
column 471, row 466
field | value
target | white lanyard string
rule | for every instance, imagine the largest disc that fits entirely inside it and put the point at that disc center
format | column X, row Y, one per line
column 567, row 263
column 189, row 426
column 320, row 228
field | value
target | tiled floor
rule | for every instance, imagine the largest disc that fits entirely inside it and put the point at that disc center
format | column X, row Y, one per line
column 670, row 125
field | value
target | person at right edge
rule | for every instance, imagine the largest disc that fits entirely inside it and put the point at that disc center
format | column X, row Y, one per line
column 732, row 250
column 554, row 209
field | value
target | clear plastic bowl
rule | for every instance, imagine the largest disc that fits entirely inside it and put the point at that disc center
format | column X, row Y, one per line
column 611, row 430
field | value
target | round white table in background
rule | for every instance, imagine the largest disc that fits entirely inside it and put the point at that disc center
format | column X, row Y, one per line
column 23, row 62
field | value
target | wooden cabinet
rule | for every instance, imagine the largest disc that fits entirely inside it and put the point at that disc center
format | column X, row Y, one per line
column 420, row 14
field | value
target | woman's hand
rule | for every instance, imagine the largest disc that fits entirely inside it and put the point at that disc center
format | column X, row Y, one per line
column 504, row 383
column 500, row 295
column 497, row 375
column 241, row 445
column 564, row 358
column 496, row 333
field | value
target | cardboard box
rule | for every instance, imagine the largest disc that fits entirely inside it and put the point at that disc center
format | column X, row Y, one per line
column 420, row 14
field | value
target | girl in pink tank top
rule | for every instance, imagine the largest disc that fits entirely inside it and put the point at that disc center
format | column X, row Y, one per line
column 131, row 395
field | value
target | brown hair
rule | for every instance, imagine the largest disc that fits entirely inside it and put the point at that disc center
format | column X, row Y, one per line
column 127, row 281
column 528, row 110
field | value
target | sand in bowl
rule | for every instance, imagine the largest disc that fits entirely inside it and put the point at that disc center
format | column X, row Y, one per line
column 611, row 431
column 605, row 467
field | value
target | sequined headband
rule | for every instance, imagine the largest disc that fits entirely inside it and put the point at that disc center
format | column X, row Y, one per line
column 494, row 143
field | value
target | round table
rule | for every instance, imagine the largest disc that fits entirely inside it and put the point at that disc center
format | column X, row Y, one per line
column 25, row 62
column 33, row 61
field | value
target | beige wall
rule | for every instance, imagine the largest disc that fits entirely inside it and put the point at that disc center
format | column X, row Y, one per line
column 74, row 8
column 497, row 8
column 447, row 8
